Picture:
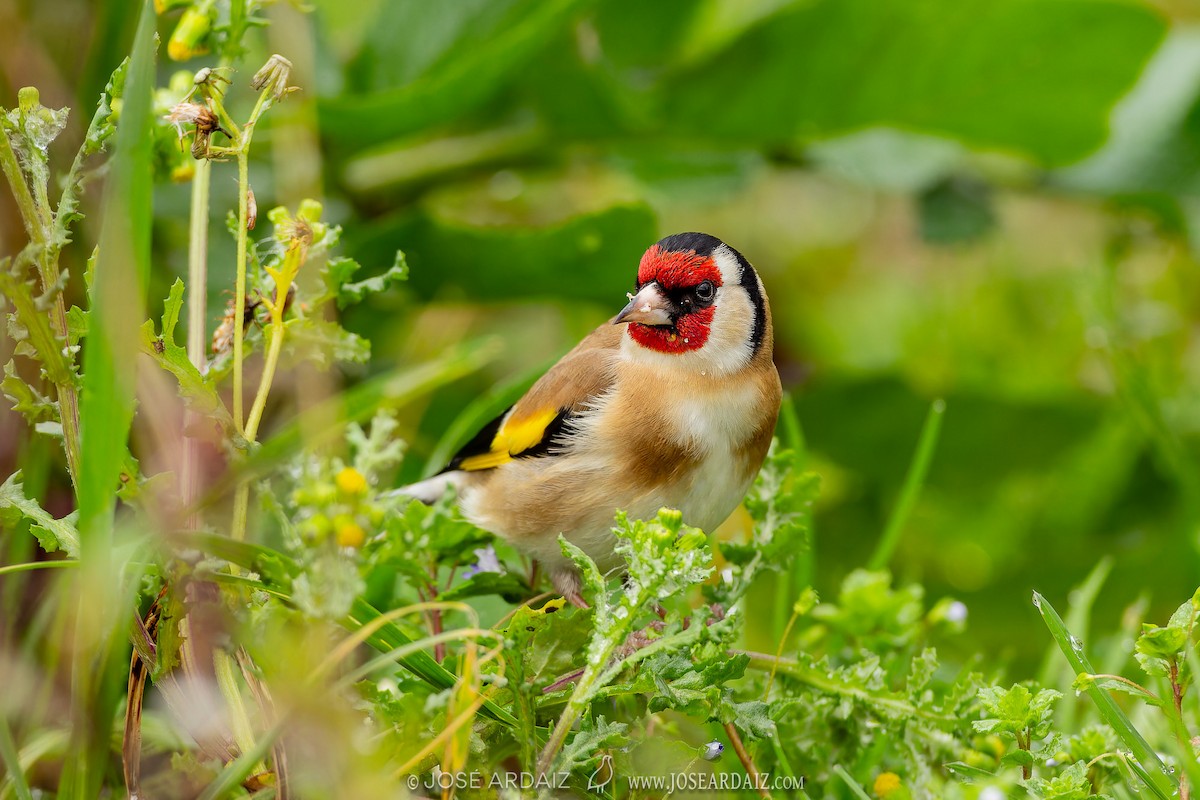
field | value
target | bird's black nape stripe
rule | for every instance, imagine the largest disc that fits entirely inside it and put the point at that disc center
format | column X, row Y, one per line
column 703, row 245
column 749, row 282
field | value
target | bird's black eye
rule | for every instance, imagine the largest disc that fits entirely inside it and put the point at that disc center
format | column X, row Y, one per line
column 705, row 292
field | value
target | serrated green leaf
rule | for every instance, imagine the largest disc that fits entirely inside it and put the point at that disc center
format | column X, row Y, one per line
column 1070, row 784
column 53, row 534
column 324, row 343
column 26, row 399
column 29, row 325
column 197, row 391
column 354, row 292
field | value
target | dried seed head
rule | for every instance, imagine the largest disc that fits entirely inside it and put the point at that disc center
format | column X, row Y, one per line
column 274, row 75
column 195, row 114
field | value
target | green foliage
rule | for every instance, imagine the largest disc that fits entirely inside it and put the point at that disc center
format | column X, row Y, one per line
column 52, row 534
column 523, row 152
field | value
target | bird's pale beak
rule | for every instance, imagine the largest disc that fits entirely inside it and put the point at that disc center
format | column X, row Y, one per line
column 649, row 307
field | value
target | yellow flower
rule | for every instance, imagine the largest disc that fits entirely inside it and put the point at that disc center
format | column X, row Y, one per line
column 886, row 784
column 351, row 483
column 350, row 534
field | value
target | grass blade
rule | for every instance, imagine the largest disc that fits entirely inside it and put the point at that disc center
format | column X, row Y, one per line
column 106, row 414
column 1079, row 617
column 12, row 762
column 857, row 790
column 913, row 482
column 1154, row 772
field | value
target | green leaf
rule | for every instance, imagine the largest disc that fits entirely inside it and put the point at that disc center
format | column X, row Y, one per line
column 348, row 293
column 427, row 63
column 494, row 251
column 1017, row 710
column 29, row 325
column 197, row 391
column 26, row 399
column 324, row 343
column 53, row 534
column 1033, row 76
column 1070, row 784
column 1158, row 779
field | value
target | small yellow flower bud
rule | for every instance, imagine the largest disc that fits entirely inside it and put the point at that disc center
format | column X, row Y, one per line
column 350, row 534
column 190, row 37
column 886, row 784
column 351, row 483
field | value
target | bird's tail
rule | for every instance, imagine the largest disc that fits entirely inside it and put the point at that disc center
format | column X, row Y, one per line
column 430, row 490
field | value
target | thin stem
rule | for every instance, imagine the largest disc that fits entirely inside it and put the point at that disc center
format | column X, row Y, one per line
column 1181, row 731
column 787, row 630
column 264, row 384
column 197, row 329
column 1151, row 696
column 243, row 162
column 744, row 756
column 239, row 301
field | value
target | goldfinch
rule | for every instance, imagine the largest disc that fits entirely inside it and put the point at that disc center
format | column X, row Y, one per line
column 670, row 404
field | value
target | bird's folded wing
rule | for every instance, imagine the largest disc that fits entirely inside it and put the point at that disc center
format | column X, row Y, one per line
column 538, row 421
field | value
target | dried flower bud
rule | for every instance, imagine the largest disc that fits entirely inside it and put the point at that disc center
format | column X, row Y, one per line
column 274, row 75
column 251, row 209
column 200, row 144
column 222, row 340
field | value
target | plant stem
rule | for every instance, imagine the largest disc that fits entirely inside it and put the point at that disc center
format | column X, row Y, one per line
column 243, row 162
column 197, row 329
column 37, row 226
column 268, row 377
column 743, row 755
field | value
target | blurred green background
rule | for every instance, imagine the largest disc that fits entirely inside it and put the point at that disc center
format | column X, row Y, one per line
column 994, row 202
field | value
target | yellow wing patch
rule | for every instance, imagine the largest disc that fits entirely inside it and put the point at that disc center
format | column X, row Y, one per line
column 513, row 438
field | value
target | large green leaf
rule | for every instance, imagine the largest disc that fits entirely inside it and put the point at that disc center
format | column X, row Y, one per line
column 1035, row 76
column 427, row 63
column 590, row 255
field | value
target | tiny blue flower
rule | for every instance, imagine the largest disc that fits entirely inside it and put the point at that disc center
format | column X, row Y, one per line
column 487, row 561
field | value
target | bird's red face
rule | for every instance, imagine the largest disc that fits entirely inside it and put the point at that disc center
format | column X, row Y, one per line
column 675, row 304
